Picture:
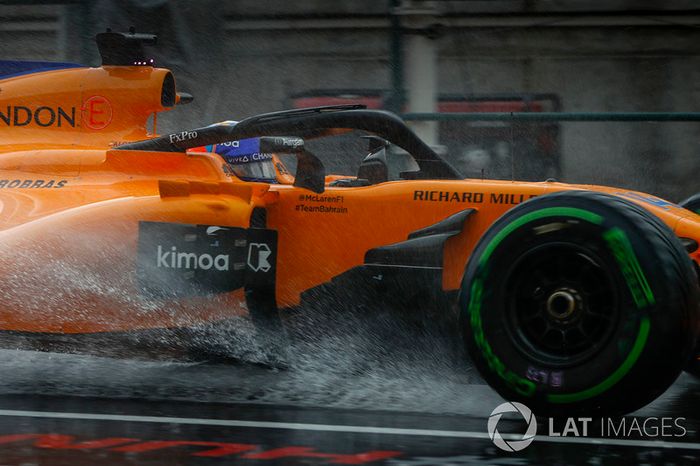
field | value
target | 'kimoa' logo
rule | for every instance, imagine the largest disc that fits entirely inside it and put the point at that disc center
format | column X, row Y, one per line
column 174, row 259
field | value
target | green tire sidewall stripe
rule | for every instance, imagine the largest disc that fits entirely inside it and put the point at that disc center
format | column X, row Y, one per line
column 615, row 377
column 538, row 214
column 621, row 247
column 518, row 383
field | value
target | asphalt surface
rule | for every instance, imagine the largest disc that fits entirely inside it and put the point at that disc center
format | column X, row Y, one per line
column 363, row 388
column 68, row 410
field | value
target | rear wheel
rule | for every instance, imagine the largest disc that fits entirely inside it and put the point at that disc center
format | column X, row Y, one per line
column 579, row 302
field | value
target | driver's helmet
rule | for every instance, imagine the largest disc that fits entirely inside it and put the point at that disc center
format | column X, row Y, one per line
column 244, row 160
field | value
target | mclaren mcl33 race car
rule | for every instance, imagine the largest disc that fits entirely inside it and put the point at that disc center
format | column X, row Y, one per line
column 571, row 298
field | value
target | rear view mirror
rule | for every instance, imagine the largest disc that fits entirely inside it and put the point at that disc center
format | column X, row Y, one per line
column 374, row 167
column 310, row 171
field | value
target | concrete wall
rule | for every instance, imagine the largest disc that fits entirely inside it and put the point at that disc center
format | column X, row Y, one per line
column 636, row 68
column 244, row 57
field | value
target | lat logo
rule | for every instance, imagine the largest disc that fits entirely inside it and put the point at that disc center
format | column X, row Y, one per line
column 512, row 444
column 258, row 257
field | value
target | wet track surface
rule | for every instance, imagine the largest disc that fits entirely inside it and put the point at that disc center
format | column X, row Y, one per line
column 69, row 410
column 357, row 390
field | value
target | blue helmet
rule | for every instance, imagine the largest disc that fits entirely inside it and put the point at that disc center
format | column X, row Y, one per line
column 245, row 160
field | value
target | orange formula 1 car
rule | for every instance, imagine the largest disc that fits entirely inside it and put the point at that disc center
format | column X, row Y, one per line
column 572, row 298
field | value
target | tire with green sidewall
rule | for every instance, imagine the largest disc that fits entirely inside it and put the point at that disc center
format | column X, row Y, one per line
column 653, row 305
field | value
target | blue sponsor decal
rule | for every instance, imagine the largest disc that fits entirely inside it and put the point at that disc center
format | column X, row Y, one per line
column 243, row 151
column 239, row 159
column 649, row 199
column 13, row 68
column 236, row 148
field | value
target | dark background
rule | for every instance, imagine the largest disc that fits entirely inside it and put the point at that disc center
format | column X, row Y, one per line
column 241, row 57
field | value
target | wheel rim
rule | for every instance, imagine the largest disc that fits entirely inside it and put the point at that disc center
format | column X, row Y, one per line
column 562, row 304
